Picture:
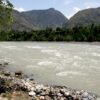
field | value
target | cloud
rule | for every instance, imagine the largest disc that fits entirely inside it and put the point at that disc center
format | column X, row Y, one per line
column 91, row 4
column 19, row 9
column 88, row 7
column 75, row 10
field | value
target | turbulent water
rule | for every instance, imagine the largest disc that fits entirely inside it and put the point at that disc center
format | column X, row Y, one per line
column 75, row 65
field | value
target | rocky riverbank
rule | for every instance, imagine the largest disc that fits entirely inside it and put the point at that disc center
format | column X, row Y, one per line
column 18, row 86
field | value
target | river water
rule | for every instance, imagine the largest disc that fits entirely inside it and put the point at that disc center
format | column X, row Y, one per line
column 76, row 65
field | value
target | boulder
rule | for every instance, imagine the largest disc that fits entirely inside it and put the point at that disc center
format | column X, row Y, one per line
column 7, row 73
column 6, row 63
column 0, row 64
column 18, row 73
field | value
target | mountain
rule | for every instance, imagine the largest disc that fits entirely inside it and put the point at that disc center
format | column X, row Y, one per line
column 19, row 22
column 45, row 18
column 40, row 19
column 85, row 17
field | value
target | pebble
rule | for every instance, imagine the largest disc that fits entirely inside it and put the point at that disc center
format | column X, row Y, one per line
column 85, row 95
column 42, row 98
column 59, row 94
column 32, row 93
column 67, row 93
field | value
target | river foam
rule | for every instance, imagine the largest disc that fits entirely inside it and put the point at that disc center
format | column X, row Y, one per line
column 33, row 47
column 68, row 73
column 45, row 63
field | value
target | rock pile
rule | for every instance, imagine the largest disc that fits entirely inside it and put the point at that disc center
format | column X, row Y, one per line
column 11, row 84
column 40, row 91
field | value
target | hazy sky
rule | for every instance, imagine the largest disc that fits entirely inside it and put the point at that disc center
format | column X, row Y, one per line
column 67, row 7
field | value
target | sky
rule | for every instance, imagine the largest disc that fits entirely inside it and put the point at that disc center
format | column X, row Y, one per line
column 67, row 7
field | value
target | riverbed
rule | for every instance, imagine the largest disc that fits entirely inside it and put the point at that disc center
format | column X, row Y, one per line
column 75, row 65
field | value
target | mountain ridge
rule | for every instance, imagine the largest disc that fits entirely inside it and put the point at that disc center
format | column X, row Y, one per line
column 85, row 17
column 45, row 18
column 52, row 18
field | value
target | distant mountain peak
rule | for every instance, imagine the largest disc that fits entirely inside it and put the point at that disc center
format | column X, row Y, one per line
column 51, row 9
column 45, row 18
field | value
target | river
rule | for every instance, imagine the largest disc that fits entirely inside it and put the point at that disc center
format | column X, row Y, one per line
column 76, row 65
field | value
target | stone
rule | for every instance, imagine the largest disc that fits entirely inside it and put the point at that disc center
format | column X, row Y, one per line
column 32, row 93
column 85, row 99
column 67, row 93
column 32, row 89
column 18, row 73
column 59, row 94
column 78, row 92
column 43, row 94
column 90, row 97
column 39, row 86
column 7, row 73
column 42, row 98
column 47, row 98
column 69, row 97
column 85, row 95
column 2, row 89
column 6, row 63
column 0, row 64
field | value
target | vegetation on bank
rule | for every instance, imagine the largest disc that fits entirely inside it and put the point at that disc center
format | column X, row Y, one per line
column 90, row 33
column 5, row 13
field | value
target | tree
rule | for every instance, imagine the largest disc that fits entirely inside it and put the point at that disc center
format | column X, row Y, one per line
column 5, row 12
